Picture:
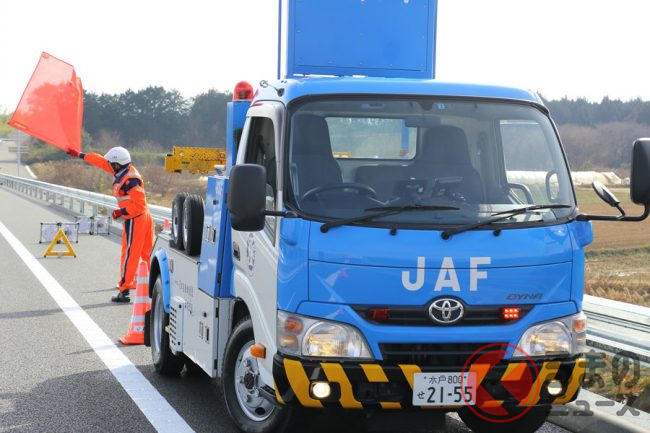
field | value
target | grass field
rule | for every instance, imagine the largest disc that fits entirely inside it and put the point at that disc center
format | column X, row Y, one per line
column 618, row 261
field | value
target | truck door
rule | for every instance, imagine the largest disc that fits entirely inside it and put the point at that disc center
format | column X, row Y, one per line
column 255, row 254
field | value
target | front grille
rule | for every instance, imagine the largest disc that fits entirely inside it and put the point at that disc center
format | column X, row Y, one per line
column 434, row 354
column 419, row 315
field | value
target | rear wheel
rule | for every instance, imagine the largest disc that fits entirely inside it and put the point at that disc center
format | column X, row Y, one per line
column 164, row 361
column 192, row 224
column 241, row 382
column 529, row 422
column 177, row 219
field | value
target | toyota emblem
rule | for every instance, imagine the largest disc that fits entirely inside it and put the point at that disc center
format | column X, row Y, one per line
column 446, row 310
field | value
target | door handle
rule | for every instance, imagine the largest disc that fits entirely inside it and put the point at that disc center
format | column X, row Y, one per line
column 235, row 251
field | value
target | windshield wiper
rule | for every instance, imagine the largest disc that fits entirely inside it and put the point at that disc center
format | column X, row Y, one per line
column 500, row 216
column 384, row 211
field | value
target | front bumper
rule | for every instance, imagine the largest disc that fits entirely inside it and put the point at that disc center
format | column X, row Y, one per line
column 365, row 385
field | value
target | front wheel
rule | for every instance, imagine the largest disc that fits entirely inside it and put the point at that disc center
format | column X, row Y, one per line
column 164, row 361
column 529, row 422
column 241, row 383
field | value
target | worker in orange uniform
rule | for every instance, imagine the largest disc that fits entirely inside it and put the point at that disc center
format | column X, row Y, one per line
column 137, row 224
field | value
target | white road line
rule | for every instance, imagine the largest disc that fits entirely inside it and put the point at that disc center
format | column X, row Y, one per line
column 31, row 173
column 162, row 416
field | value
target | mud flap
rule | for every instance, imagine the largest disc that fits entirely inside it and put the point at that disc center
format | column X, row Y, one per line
column 147, row 330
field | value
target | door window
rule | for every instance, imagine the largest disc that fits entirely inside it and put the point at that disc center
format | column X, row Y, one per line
column 261, row 150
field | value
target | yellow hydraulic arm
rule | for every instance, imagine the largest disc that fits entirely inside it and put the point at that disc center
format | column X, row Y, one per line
column 194, row 159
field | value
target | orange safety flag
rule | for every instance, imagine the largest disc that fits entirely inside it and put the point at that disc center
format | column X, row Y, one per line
column 51, row 108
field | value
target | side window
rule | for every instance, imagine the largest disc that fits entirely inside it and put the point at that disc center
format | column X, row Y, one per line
column 534, row 177
column 260, row 150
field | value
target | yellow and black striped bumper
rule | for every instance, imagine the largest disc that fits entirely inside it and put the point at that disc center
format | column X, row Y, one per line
column 358, row 385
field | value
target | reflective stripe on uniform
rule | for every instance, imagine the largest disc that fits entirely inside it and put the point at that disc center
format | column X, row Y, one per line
column 128, row 225
column 122, row 198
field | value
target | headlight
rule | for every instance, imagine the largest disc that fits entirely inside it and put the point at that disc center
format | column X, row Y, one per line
column 304, row 336
column 563, row 337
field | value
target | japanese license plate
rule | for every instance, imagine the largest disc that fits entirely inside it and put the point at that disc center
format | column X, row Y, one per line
column 444, row 389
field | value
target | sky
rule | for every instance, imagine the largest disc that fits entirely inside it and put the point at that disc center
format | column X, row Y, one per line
column 572, row 48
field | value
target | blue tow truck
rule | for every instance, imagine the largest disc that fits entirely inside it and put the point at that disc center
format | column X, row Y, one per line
column 379, row 241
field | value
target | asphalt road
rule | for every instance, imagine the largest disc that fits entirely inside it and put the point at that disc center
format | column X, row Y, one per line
column 8, row 159
column 51, row 380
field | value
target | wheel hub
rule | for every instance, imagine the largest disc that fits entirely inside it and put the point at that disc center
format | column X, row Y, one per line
column 247, row 385
column 249, row 381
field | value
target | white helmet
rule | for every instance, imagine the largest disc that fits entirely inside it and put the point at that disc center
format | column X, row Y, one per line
column 119, row 155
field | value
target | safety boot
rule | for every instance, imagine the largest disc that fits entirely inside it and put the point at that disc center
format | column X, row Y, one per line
column 122, row 297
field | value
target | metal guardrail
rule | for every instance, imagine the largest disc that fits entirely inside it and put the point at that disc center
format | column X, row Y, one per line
column 616, row 326
column 613, row 325
column 72, row 199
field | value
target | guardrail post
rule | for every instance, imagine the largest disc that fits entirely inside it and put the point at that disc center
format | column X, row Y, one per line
column 95, row 210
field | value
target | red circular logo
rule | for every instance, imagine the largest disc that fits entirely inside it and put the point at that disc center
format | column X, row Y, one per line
column 518, row 380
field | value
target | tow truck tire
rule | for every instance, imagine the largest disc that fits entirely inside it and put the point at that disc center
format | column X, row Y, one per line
column 177, row 220
column 192, row 224
column 164, row 361
column 251, row 413
column 529, row 422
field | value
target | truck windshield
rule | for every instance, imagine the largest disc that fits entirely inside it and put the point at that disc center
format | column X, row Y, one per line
column 459, row 161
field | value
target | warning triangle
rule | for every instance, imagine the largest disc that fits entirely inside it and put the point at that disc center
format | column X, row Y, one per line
column 60, row 236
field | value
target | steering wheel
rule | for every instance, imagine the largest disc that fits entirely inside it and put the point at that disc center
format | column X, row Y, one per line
column 360, row 187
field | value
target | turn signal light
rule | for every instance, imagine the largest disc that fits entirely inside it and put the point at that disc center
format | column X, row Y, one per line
column 243, row 92
column 258, row 351
column 293, row 325
column 511, row 313
column 579, row 325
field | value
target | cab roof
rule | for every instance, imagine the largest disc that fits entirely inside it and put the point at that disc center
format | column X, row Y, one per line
column 289, row 90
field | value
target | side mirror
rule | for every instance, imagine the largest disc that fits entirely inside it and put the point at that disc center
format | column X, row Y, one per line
column 247, row 197
column 605, row 194
column 640, row 175
column 639, row 186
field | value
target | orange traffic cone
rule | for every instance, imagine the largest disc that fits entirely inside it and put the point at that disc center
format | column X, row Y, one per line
column 141, row 305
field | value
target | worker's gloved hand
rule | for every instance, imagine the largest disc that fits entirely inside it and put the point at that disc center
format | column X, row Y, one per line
column 116, row 214
column 73, row 153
